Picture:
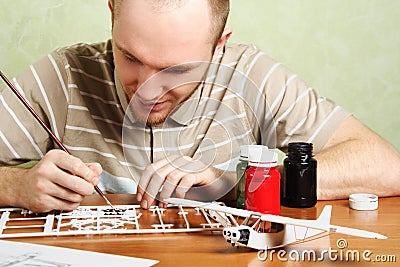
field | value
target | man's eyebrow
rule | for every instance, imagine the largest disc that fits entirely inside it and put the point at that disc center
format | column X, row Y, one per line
column 187, row 66
column 179, row 67
column 127, row 53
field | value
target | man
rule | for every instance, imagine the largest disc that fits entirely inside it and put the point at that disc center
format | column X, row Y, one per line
column 168, row 102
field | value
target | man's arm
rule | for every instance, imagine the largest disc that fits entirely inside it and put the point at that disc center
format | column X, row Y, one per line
column 49, row 185
column 356, row 160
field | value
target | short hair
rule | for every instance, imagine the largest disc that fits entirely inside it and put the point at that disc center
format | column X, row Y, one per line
column 219, row 10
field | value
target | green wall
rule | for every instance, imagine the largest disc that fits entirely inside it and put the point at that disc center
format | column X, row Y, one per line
column 349, row 50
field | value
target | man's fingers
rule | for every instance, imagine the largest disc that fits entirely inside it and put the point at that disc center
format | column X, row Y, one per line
column 66, row 195
column 181, row 183
column 185, row 184
column 72, row 164
column 146, row 177
column 152, row 190
column 47, row 203
column 77, row 177
column 61, row 204
column 167, row 174
column 172, row 180
column 70, row 197
column 156, row 182
column 58, row 181
column 52, row 189
column 167, row 169
column 148, row 174
column 72, row 182
column 180, row 167
column 97, row 169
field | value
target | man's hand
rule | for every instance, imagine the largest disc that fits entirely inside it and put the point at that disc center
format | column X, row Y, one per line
column 171, row 175
column 59, row 181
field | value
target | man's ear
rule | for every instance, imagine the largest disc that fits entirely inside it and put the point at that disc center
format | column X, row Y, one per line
column 221, row 42
column 110, row 6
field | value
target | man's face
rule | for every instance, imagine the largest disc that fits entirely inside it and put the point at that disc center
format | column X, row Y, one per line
column 147, row 41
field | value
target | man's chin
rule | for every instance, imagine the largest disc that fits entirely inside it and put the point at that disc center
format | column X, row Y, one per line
column 151, row 120
column 155, row 122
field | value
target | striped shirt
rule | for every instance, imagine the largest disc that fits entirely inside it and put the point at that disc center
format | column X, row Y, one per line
column 245, row 98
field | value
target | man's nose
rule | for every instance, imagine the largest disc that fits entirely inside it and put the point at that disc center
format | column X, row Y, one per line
column 150, row 87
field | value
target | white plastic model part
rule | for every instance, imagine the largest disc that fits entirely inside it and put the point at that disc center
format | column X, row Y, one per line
column 86, row 220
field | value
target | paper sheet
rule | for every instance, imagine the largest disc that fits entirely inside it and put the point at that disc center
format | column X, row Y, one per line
column 16, row 254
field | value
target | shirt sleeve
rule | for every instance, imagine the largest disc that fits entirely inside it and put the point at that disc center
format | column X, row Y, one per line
column 293, row 110
column 44, row 87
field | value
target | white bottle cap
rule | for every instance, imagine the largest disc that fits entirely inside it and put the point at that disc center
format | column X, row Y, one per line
column 244, row 151
column 363, row 201
column 262, row 156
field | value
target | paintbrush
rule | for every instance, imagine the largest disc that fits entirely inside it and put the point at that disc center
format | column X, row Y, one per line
column 47, row 129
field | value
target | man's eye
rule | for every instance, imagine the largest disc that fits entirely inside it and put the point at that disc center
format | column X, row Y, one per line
column 132, row 59
column 177, row 70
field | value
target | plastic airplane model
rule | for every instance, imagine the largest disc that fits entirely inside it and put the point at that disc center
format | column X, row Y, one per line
column 264, row 231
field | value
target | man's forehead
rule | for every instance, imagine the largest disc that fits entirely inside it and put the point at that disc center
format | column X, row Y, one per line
column 168, row 38
column 157, row 6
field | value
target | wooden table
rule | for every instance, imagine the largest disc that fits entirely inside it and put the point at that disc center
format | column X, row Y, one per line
column 211, row 249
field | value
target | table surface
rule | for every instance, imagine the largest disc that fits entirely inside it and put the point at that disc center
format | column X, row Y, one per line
column 211, row 249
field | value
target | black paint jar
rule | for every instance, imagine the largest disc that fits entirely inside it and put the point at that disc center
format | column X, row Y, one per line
column 299, row 181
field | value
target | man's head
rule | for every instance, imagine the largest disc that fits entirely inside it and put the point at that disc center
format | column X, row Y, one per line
column 219, row 10
column 153, row 36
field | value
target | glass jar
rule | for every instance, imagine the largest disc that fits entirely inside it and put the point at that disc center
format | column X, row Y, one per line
column 299, row 181
column 240, row 170
column 262, row 181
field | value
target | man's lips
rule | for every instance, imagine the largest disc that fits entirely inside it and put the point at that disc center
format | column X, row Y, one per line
column 152, row 106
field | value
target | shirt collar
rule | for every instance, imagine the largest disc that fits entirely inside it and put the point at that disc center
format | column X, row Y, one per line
column 184, row 113
column 122, row 97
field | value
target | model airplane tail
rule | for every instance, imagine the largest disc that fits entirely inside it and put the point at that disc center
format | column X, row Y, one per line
column 322, row 223
column 325, row 216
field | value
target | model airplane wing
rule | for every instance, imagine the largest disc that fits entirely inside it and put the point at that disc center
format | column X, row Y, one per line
column 211, row 206
column 322, row 223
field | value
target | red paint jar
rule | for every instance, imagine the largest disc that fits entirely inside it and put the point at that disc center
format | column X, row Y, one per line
column 262, row 181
